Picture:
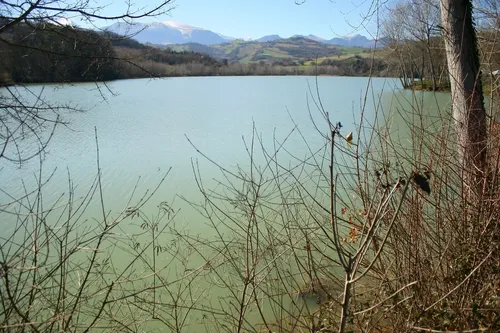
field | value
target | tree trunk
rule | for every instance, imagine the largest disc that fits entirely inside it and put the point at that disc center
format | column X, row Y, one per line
column 466, row 90
column 421, row 74
column 433, row 71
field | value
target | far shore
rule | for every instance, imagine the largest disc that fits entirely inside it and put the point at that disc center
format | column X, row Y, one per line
column 9, row 84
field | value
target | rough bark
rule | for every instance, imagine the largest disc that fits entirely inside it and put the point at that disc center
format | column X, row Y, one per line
column 467, row 95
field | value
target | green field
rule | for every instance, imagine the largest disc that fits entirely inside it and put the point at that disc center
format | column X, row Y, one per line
column 300, row 50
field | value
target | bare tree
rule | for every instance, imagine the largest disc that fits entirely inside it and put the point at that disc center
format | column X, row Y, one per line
column 411, row 30
column 52, row 278
column 488, row 13
column 16, row 11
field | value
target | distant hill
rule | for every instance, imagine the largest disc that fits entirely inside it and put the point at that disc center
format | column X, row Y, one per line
column 356, row 40
column 311, row 37
column 353, row 41
column 272, row 51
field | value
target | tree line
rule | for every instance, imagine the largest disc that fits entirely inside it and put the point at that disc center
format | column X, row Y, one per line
column 44, row 52
column 413, row 32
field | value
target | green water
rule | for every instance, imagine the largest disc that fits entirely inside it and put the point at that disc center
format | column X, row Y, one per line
column 143, row 127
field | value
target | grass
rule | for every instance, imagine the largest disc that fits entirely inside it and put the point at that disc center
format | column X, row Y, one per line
column 364, row 53
column 426, row 85
column 275, row 53
column 244, row 52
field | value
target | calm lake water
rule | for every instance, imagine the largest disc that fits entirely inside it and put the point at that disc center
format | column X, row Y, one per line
column 143, row 127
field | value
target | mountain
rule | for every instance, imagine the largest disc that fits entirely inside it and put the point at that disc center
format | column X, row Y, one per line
column 172, row 32
column 268, row 38
column 356, row 40
column 350, row 41
column 168, row 32
column 316, row 38
column 311, row 37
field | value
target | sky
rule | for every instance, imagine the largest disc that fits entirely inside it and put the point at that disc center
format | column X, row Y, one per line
column 256, row 18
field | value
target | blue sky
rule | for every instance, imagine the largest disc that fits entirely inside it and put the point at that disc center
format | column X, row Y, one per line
column 256, row 18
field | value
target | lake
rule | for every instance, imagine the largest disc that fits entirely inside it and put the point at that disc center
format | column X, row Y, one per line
column 143, row 129
column 147, row 127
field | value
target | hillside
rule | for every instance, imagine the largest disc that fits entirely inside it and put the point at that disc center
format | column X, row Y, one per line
column 51, row 53
column 296, row 49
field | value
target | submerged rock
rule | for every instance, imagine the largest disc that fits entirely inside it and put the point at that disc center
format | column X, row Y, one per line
column 318, row 289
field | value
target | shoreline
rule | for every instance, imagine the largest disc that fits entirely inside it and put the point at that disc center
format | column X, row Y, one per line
column 3, row 85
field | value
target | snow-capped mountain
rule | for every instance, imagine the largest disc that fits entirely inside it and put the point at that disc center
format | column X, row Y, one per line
column 168, row 32
column 172, row 32
column 316, row 38
column 312, row 37
column 64, row 21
